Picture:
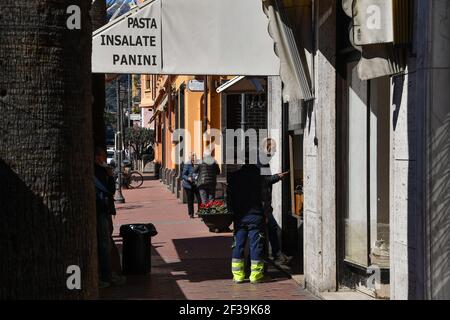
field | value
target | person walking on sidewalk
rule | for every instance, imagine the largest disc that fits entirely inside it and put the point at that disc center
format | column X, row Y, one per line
column 244, row 198
column 207, row 171
column 189, row 185
column 104, row 195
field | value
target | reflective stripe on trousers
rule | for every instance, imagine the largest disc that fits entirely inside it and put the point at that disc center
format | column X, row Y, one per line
column 257, row 271
column 238, row 269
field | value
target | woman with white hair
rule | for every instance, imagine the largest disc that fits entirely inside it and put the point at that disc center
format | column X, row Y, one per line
column 207, row 172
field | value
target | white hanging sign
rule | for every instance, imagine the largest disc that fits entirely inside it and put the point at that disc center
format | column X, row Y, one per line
column 195, row 37
column 130, row 45
column 196, row 86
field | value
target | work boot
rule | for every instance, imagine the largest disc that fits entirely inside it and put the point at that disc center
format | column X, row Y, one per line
column 103, row 284
column 257, row 271
column 281, row 259
column 118, row 280
column 264, row 279
column 238, row 270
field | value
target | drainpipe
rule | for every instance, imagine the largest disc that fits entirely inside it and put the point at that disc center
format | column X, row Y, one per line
column 205, row 111
column 243, row 119
column 130, row 102
column 205, row 94
column 118, row 197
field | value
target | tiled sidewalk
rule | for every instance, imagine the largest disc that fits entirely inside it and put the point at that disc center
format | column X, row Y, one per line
column 188, row 262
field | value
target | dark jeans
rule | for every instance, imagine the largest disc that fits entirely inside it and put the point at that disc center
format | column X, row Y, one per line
column 104, row 245
column 207, row 193
column 191, row 194
column 272, row 230
column 249, row 227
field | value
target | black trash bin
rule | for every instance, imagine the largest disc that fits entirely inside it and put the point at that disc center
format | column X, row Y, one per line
column 136, row 248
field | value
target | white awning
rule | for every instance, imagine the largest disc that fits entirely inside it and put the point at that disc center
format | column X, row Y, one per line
column 153, row 117
column 161, row 108
column 211, row 37
column 163, row 104
column 295, row 71
column 229, row 83
column 242, row 84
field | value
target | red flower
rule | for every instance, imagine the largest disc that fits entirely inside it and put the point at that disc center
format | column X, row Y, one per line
column 217, row 203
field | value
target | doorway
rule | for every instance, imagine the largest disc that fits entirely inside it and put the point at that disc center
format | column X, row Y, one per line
column 364, row 189
column 292, row 237
column 292, row 188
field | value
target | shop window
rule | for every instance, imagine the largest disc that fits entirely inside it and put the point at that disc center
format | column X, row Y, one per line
column 153, row 86
column 366, row 220
column 159, row 130
column 147, row 82
column 296, row 173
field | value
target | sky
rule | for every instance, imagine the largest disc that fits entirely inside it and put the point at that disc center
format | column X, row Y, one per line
column 118, row 3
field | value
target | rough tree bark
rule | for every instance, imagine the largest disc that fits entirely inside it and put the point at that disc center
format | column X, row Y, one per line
column 47, row 200
column 98, row 17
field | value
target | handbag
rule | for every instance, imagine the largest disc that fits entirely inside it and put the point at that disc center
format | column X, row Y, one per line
column 194, row 179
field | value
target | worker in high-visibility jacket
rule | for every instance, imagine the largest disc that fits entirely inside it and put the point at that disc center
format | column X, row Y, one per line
column 244, row 199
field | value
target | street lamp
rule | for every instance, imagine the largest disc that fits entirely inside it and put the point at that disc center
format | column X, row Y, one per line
column 118, row 197
column 129, row 109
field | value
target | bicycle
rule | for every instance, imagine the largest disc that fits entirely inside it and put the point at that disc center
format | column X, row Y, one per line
column 131, row 179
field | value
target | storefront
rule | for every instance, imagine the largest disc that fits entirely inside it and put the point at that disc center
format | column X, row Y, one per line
column 370, row 154
column 294, row 114
column 244, row 107
column 363, row 182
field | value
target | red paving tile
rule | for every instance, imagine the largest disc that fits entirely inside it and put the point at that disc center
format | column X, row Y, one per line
column 188, row 262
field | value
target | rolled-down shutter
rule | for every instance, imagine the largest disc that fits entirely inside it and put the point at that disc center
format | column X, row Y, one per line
column 381, row 31
column 294, row 70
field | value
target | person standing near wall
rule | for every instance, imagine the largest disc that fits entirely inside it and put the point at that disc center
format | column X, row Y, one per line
column 108, row 256
column 244, row 198
column 272, row 226
column 207, row 171
column 268, row 180
column 189, row 184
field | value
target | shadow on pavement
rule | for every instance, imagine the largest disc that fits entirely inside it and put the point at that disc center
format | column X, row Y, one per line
column 209, row 258
column 200, row 260
column 158, row 285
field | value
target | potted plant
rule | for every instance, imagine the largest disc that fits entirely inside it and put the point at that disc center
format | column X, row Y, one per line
column 216, row 216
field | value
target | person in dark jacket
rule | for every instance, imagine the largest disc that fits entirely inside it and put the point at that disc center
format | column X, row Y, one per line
column 189, row 185
column 272, row 225
column 245, row 200
column 107, row 250
column 207, row 171
column 268, row 180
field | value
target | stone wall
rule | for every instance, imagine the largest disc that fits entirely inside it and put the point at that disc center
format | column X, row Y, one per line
column 320, row 159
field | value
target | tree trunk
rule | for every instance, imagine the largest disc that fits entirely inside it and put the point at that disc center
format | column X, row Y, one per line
column 47, row 199
column 98, row 17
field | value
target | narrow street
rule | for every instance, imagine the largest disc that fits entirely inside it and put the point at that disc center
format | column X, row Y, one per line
column 188, row 262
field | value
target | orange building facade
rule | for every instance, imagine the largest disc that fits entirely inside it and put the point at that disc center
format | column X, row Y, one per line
column 180, row 117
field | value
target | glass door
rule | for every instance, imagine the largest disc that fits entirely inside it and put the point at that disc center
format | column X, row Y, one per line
column 365, row 181
column 356, row 223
